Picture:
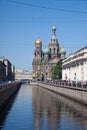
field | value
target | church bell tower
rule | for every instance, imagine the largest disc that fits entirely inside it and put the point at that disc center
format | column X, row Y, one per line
column 54, row 45
column 37, row 55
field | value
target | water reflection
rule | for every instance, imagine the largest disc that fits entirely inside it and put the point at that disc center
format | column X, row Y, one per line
column 4, row 113
column 35, row 108
column 54, row 112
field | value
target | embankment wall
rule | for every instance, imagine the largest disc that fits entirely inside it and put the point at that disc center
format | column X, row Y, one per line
column 7, row 91
column 78, row 94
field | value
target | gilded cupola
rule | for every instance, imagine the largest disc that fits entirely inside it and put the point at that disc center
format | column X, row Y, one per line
column 38, row 42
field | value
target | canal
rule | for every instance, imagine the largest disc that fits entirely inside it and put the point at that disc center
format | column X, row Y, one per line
column 35, row 108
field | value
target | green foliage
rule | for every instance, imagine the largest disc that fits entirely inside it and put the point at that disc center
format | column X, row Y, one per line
column 57, row 70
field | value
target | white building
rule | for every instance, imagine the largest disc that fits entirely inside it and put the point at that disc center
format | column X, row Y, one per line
column 75, row 66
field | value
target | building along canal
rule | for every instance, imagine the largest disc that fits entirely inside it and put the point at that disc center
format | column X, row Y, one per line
column 35, row 108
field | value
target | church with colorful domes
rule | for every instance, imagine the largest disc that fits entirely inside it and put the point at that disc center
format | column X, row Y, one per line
column 45, row 59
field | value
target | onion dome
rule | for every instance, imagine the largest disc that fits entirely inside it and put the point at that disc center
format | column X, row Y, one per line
column 62, row 50
column 46, row 51
column 54, row 28
column 54, row 40
column 38, row 42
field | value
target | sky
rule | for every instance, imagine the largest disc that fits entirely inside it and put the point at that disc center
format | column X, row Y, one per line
column 22, row 21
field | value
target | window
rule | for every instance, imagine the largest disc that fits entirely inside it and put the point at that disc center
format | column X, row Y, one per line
column 46, row 66
column 46, row 73
column 35, row 53
column 53, row 50
column 50, row 50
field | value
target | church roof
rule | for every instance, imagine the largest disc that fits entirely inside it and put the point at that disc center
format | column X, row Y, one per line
column 54, row 40
column 46, row 51
column 38, row 42
column 62, row 50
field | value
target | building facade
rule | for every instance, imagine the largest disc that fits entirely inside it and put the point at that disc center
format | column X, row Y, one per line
column 2, row 71
column 75, row 66
column 45, row 59
column 7, row 69
column 22, row 74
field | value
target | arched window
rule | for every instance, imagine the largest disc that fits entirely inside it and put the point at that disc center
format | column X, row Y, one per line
column 35, row 53
column 46, row 66
column 57, row 50
column 46, row 73
column 53, row 50
column 50, row 50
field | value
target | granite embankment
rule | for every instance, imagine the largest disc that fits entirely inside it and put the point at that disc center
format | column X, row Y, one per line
column 7, row 91
column 74, row 91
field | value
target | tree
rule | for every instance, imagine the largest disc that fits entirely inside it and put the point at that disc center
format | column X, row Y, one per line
column 57, row 70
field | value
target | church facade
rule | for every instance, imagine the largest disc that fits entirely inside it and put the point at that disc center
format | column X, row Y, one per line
column 45, row 59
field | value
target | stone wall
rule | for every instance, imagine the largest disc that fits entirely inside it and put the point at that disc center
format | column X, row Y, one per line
column 6, row 92
column 77, row 94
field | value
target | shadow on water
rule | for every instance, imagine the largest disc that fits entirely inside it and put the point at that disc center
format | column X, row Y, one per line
column 52, row 111
column 4, row 113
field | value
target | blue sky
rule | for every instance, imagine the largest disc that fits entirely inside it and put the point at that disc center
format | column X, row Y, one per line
column 21, row 23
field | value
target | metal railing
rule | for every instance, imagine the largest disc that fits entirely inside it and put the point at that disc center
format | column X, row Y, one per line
column 8, row 85
column 66, row 83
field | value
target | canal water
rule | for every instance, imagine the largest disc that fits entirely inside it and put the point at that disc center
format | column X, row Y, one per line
column 35, row 108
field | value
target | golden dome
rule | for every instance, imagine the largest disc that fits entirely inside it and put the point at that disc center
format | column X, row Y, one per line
column 38, row 42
